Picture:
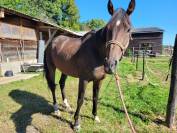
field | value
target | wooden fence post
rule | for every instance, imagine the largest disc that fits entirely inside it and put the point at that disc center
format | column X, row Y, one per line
column 172, row 100
column 137, row 56
column 133, row 55
column 143, row 73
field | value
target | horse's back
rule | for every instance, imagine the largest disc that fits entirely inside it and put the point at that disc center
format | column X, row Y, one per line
column 66, row 45
column 63, row 50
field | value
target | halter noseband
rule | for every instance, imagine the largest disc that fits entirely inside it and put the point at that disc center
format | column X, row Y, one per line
column 112, row 42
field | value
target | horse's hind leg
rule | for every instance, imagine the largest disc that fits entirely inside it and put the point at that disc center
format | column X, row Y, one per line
column 62, row 87
column 50, row 76
column 53, row 87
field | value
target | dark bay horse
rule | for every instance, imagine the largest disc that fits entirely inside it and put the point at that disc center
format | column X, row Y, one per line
column 88, row 58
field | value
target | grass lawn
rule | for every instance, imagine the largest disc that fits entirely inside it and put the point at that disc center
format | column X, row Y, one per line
column 26, row 106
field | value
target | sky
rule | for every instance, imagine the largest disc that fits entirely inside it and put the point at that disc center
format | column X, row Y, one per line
column 148, row 13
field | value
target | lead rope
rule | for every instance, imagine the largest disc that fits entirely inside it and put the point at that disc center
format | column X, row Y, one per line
column 122, row 99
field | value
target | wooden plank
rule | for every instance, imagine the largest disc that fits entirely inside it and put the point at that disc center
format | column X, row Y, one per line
column 51, row 38
column 48, row 27
column 17, row 32
column 172, row 100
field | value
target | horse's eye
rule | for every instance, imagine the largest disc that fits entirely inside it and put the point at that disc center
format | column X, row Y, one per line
column 129, row 30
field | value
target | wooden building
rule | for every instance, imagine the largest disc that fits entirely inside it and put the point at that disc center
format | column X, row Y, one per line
column 147, row 38
column 21, row 36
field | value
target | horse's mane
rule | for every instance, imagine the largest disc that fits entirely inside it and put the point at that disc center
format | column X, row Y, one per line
column 88, row 34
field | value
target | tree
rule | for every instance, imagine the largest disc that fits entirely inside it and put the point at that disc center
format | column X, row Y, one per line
column 62, row 12
column 95, row 24
column 70, row 14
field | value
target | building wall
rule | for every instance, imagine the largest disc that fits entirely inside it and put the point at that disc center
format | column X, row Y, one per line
column 13, row 50
column 18, row 43
column 18, row 39
column 14, row 27
column 152, row 41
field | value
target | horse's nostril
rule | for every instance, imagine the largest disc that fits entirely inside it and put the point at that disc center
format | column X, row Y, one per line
column 112, row 65
column 115, row 62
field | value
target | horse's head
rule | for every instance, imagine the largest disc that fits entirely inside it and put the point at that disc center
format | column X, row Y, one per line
column 117, row 35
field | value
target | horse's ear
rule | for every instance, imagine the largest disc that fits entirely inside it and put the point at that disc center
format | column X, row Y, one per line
column 131, row 7
column 110, row 7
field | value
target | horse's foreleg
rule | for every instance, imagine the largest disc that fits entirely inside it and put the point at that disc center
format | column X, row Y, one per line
column 96, row 88
column 62, row 87
column 80, row 100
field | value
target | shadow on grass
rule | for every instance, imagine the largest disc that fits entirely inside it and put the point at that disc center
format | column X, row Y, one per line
column 30, row 104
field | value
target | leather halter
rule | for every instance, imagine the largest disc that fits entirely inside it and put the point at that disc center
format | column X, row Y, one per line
column 112, row 42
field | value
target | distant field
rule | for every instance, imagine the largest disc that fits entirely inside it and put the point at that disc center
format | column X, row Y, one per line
column 26, row 106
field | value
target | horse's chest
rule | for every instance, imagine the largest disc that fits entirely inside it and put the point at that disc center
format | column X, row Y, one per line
column 98, row 73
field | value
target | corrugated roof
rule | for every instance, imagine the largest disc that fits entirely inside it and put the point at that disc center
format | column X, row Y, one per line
column 147, row 30
column 12, row 11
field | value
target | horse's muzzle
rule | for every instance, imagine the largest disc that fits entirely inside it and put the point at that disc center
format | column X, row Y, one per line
column 110, row 67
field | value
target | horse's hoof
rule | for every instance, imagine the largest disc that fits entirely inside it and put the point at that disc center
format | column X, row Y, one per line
column 57, row 113
column 77, row 127
column 97, row 119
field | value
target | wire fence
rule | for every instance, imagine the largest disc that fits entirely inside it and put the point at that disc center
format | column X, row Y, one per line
column 148, row 72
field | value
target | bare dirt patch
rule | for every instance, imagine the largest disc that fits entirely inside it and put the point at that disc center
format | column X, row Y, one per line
column 17, row 77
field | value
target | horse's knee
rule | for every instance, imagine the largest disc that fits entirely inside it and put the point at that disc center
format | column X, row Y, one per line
column 62, row 81
column 62, row 85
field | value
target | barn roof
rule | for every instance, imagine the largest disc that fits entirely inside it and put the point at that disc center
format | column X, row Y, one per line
column 47, row 22
column 147, row 30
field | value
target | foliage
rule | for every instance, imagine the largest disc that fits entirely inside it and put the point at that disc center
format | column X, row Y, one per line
column 93, row 24
column 62, row 12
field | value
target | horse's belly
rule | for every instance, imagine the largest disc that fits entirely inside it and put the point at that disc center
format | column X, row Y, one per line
column 66, row 68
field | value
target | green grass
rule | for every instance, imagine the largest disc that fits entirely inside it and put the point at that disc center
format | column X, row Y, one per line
column 26, row 106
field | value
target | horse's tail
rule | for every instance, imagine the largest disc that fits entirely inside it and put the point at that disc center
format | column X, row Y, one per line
column 47, row 74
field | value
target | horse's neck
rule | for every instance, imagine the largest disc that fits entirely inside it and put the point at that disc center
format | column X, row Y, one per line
column 97, row 41
column 100, row 44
